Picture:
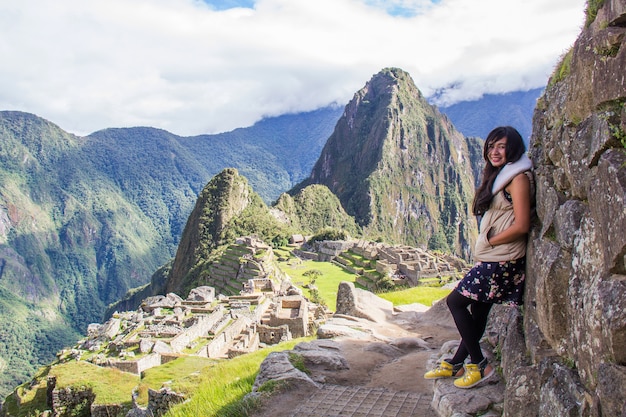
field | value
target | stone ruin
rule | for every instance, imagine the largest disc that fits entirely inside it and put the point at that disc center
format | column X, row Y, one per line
column 261, row 313
column 404, row 265
column 327, row 250
column 165, row 327
column 65, row 402
column 247, row 264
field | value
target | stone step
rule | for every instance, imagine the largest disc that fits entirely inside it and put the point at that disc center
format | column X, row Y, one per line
column 365, row 282
column 225, row 267
column 232, row 289
column 348, row 401
column 372, row 274
column 221, row 277
column 343, row 260
column 238, row 250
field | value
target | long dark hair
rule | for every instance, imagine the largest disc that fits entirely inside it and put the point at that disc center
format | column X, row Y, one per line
column 515, row 148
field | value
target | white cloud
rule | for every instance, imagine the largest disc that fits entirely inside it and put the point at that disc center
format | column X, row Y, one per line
column 182, row 66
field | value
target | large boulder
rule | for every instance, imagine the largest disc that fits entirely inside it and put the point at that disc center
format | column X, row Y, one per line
column 356, row 302
column 277, row 367
column 202, row 293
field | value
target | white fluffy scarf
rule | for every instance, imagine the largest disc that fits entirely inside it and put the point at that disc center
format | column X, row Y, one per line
column 509, row 171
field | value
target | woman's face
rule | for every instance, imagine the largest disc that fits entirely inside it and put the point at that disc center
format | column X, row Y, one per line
column 496, row 153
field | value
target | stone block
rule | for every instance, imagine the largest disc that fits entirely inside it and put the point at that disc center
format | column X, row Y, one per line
column 561, row 393
column 610, row 389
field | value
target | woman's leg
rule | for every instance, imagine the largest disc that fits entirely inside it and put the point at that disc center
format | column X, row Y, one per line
column 461, row 354
column 471, row 324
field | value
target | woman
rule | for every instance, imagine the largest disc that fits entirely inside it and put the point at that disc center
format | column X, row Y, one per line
column 503, row 205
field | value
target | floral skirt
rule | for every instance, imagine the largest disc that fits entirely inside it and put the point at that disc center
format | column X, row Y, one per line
column 495, row 282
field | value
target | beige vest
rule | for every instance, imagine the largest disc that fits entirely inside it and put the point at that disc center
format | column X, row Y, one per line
column 496, row 219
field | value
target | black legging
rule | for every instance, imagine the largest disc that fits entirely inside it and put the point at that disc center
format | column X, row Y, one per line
column 471, row 324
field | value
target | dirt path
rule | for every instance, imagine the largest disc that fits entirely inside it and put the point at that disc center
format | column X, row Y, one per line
column 391, row 360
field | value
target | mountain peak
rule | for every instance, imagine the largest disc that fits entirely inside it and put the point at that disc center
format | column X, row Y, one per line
column 224, row 197
column 400, row 167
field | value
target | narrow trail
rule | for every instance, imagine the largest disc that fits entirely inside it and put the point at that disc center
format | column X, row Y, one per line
column 385, row 375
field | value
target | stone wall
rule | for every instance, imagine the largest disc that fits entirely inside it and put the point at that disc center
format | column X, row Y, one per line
column 262, row 309
column 246, row 342
column 68, row 400
column 200, row 328
column 219, row 345
column 292, row 311
column 367, row 248
column 328, row 249
column 137, row 366
column 108, row 410
column 566, row 355
column 272, row 335
column 159, row 402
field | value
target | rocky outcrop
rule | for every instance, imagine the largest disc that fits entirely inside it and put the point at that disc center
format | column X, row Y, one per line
column 567, row 355
column 278, row 367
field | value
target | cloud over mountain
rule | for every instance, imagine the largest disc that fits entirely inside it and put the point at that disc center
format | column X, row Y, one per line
column 187, row 67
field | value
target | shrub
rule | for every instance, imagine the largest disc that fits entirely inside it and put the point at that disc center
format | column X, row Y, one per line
column 592, row 11
column 297, row 361
column 329, row 234
column 313, row 275
column 563, row 68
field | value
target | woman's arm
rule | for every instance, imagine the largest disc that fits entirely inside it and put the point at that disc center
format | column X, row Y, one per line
column 519, row 189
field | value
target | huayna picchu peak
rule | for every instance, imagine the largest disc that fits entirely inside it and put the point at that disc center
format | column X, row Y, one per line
column 400, row 167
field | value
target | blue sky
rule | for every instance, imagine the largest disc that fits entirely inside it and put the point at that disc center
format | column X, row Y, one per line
column 393, row 8
column 229, row 4
column 208, row 66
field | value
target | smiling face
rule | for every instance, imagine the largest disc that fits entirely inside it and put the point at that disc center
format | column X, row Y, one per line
column 496, row 152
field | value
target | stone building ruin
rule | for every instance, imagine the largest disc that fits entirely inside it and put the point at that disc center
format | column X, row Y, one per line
column 167, row 327
column 372, row 261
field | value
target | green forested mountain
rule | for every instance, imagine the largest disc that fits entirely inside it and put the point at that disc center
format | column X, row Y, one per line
column 85, row 219
column 273, row 155
column 314, row 208
column 71, row 242
column 227, row 208
column 400, row 167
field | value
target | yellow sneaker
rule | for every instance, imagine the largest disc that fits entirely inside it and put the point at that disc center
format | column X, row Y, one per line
column 443, row 370
column 474, row 374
